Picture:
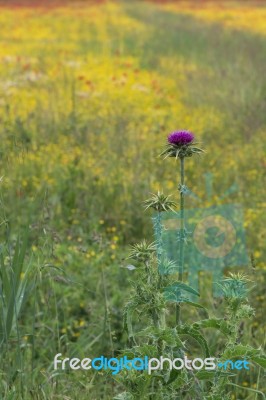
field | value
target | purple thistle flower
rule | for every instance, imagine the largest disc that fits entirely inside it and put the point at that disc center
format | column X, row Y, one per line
column 180, row 137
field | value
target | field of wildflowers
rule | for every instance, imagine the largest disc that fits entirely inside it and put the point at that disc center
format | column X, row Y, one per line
column 88, row 93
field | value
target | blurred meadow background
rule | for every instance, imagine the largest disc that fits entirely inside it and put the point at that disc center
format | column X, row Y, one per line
column 88, row 93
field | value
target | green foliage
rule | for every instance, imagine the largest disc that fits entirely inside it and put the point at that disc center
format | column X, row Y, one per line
column 174, row 291
column 15, row 287
column 149, row 302
column 245, row 351
column 212, row 375
column 167, row 335
column 193, row 332
column 215, row 323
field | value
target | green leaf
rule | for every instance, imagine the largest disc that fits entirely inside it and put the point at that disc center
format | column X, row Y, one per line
column 148, row 350
column 197, row 305
column 174, row 374
column 4, row 277
column 196, row 335
column 14, row 288
column 183, row 286
column 129, row 308
column 173, row 292
column 17, row 291
column 216, row 323
column 19, row 257
column 210, row 375
column 246, row 352
column 168, row 335
column 241, row 351
column 260, row 361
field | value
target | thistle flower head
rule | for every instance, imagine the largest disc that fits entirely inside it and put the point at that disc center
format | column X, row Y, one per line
column 160, row 202
column 142, row 251
column 235, row 286
column 181, row 144
column 180, row 137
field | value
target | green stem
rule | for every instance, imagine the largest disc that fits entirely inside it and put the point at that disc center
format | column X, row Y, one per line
column 159, row 230
column 182, row 231
column 182, row 220
column 160, row 245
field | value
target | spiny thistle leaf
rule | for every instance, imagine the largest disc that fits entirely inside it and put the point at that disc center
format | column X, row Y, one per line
column 196, row 335
column 241, row 351
column 196, row 305
column 260, row 361
column 183, row 286
column 168, row 335
column 215, row 323
column 210, row 375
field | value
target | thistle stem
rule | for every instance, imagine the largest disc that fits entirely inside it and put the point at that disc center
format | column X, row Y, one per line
column 182, row 232
column 182, row 220
column 159, row 230
column 159, row 240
